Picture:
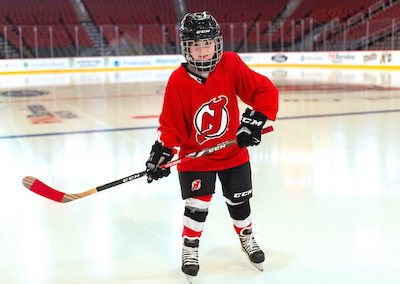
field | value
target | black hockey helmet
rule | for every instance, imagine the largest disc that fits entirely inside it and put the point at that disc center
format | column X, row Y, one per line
column 200, row 26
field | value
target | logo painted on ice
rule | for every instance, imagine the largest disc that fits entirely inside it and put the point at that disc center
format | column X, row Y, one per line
column 211, row 119
column 24, row 93
column 196, row 184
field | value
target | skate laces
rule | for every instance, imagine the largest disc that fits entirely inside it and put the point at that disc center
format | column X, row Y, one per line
column 248, row 242
column 190, row 251
column 190, row 255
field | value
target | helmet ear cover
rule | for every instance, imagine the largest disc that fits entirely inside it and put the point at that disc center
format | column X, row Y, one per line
column 198, row 26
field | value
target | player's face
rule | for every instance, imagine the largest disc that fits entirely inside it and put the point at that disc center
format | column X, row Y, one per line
column 202, row 50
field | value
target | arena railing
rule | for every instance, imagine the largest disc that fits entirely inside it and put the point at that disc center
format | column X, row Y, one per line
column 32, row 41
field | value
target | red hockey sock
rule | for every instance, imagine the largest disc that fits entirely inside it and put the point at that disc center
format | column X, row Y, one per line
column 240, row 229
column 187, row 232
column 196, row 211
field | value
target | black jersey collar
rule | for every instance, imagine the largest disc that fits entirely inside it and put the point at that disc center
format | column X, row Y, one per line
column 194, row 75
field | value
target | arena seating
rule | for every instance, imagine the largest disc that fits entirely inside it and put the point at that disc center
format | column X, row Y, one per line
column 139, row 20
column 150, row 26
column 39, row 21
column 232, row 14
column 380, row 23
column 320, row 12
column 370, row 25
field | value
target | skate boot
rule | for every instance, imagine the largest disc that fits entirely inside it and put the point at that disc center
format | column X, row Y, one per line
column 190, row 257
column 251, row 248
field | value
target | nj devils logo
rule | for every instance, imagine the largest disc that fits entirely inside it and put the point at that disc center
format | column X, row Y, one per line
column 196, row 184
column 211, row 119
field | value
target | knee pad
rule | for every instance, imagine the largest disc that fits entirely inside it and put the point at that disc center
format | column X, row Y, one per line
column 239, row 211
column 196, row 211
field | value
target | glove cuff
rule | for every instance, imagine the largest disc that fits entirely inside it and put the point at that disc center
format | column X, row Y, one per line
column 254, row 118
column 165, row 152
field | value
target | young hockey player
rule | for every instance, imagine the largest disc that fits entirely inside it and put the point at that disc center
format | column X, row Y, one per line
column 200, row 110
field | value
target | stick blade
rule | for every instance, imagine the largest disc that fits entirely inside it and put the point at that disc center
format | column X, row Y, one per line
column 38, row 187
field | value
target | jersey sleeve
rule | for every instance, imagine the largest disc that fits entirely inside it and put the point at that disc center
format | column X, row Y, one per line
column 171, row 117
column 255, row 89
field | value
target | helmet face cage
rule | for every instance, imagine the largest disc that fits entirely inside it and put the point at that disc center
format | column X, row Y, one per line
column 203, row 65
column 201, row 27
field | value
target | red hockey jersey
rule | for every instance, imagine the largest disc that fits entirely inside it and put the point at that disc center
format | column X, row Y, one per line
column 198, row 113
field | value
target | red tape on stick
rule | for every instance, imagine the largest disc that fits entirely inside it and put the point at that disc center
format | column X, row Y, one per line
column 46, row 191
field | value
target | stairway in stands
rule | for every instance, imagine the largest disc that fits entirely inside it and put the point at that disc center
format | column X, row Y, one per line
column 100, row 47
column 290, row 8
column 6, row 51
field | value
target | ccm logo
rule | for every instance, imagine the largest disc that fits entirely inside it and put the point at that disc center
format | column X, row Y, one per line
column 242, row 194
column 202, row 31
column 132, row 177
column 217, row 148
column 251, row 121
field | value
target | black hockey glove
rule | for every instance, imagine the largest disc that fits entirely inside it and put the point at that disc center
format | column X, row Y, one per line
column 159, row 155
column 249, row 132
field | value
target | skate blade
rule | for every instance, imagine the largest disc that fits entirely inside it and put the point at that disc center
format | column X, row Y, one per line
column 189, row 279
column 258, row 266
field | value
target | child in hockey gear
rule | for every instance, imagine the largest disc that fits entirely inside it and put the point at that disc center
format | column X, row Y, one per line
column 200, row 110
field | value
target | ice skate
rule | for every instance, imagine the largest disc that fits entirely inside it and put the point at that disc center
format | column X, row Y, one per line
column 251, row 248
column 190, row 257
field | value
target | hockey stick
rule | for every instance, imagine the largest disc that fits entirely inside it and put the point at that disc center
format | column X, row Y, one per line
column 38, row 187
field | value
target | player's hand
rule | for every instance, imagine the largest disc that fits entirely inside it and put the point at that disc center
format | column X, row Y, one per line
column 249, row 131
column 159, row 155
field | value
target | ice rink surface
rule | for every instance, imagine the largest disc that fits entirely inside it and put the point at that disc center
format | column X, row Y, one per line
column 326, row 202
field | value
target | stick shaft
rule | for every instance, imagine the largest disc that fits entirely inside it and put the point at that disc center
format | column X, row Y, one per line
column 188, row 157
column 44, row 190
column 208, row 151
column 120, row 181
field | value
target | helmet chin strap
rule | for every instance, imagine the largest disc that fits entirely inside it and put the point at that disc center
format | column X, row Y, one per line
column 203, row 74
